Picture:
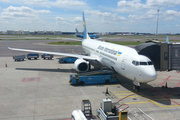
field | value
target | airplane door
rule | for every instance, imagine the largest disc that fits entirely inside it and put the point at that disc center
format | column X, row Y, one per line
column 123, row 63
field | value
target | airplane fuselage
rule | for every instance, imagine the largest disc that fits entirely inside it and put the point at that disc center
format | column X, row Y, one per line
column 124, row 60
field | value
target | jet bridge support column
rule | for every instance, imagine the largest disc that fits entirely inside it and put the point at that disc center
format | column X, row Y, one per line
column 164, row 61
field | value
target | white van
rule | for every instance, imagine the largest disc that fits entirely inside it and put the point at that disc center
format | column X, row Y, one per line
column 78, row 115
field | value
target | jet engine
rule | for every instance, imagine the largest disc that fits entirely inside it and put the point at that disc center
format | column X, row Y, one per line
column 81, row 65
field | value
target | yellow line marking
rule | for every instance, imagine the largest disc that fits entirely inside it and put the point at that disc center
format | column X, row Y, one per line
column 120, row 91
column 139, row 102
column 123, row 94
column 73, row 52
column 112, row 85
column 129, row 96
column 148, row 97
column 170, row 106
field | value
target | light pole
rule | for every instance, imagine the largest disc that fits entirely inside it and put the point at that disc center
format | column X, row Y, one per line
column 157, row 23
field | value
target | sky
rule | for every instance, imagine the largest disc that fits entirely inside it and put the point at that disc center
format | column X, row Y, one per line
column 100, row 15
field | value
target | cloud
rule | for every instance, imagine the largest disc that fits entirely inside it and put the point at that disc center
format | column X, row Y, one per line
column 60, row 20
column 77, row 19
column 137, row 5
column 172, row 12
column 151, row 14
column 23, row 11
column 70, row 4
column 134, row 4
column 106, row 16
column 162, row 3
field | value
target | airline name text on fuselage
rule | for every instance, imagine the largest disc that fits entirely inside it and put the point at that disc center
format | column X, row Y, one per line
column 105, row 49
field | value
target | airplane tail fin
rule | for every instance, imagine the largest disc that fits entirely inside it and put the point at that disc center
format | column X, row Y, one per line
column 167, row 41
column 85, row 34
column 77, row 32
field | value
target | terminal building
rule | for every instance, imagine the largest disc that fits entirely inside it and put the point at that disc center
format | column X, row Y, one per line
column 165, row 56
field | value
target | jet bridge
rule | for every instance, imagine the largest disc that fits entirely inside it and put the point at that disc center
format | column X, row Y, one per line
column 165, row 56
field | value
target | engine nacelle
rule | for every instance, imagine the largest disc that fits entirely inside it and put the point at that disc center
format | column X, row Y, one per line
column 81, row 65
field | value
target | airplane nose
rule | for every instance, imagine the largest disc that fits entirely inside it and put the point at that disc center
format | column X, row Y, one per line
column 149, row 74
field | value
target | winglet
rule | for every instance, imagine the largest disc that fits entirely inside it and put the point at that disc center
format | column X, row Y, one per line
column 8, row 43
column 167, row 41
column 85, row 34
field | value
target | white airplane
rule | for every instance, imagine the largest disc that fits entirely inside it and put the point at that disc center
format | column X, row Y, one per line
column 122, row 59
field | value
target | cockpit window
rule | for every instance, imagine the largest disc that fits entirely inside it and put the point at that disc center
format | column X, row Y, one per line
column 136, row 63
column 150, row 63
column 143, row 63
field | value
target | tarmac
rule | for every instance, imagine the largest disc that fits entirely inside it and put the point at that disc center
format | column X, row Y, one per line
column 40, row 89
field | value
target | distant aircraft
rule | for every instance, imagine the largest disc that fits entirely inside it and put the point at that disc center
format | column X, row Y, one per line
column 81, row 36
column 122, row 59
column 167, row 41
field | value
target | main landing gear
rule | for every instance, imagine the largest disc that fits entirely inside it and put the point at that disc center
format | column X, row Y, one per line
column 136, row 86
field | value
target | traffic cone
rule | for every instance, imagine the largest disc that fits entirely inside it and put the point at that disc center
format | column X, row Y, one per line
column 166, row 85
column 6, row 65
column 107, row 91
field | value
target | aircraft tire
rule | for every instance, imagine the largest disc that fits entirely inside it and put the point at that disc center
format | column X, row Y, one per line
column 81, row 83
column 107, row 82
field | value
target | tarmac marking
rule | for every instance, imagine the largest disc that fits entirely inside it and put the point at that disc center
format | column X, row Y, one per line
column 164, row 81
column 107, row 85
column 124, row 94
column 177, row 104
column 130, row 96
column 137, row 113
column 148, row 97
column 74, row 52
column 112, row 85
column 33, row 79
column 146, row 114
column 152, row 101
column 166, row 105
column 120, row 91
column 110, row 95
column 139, row 102
column 173, row 89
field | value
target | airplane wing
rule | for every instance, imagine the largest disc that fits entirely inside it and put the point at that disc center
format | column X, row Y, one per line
column 55, row 53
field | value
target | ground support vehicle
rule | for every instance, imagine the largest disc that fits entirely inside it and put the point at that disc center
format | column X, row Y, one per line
column 32, row 55
column 67, row 60
column 95, row 77
column 48, row 56
column 19, row 57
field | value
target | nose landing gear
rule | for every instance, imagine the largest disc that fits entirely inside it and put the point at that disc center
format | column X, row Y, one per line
column 136, row 86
